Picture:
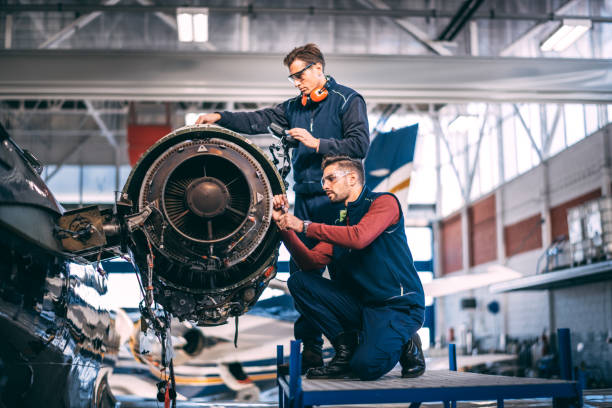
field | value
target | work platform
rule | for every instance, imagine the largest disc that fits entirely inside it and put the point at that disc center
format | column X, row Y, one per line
column 447, row 387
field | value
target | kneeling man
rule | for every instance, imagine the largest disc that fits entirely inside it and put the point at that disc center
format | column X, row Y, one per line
column 373, row 306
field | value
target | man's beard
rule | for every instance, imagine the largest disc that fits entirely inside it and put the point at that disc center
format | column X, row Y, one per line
column 334, row 198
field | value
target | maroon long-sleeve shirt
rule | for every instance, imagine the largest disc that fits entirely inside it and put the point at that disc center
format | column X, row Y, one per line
column 383, row 213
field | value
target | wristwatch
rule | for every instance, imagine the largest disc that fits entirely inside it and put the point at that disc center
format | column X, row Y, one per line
column 305, row 225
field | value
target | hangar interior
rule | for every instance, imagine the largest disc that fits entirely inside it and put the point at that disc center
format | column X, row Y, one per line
column 510, row 136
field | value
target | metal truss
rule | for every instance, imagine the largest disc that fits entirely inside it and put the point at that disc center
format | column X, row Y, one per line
column 418, row 34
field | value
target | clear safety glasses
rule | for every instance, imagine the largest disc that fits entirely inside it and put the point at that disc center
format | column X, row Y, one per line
column 297, row 76
column 332, row 178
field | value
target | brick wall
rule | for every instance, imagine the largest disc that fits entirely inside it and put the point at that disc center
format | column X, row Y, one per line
column 452, row 259
column 483, row 236
column 558, row 214
column 523, row 236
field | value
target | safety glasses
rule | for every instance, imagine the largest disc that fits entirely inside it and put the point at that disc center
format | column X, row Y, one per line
column 297, row 76
column 332, row 178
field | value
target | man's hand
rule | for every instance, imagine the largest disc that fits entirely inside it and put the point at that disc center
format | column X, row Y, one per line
column 304, row 136
column 207, row 118
column 280, row 205
column 290, row 222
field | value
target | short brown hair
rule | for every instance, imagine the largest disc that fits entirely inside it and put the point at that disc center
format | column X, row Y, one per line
column 309, row 53
column 345, row 163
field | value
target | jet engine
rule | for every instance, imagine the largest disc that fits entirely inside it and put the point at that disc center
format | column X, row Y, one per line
column 196, row 216
column 197, row 208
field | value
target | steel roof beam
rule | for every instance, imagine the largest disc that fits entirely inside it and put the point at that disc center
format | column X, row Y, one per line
column 408, row 27
column 106, row 132
column 71, row 28
column 465, row 12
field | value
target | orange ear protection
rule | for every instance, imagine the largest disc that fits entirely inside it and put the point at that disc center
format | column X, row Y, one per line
column 316, row 96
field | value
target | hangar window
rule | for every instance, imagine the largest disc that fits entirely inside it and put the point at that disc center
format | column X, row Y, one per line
column 98, row 184
column 124, row 173
column 574, row 123
column 518, row 134
column 64, row 182
column 85, row 184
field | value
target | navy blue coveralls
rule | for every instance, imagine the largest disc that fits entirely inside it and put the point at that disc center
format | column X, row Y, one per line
column 375, row 290
column 340, row 122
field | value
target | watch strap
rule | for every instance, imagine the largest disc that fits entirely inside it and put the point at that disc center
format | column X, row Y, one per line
column 305, row 225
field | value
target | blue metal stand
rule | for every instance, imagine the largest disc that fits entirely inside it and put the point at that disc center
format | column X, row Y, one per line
column 279, row 362
column 295, row 374
column 567, row 370
column 452, row 366
column 433, row 386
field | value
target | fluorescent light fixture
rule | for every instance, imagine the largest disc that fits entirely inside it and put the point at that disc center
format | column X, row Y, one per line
column 566, row 34
column 200, row 27
column 192, row 24
column 185, row 27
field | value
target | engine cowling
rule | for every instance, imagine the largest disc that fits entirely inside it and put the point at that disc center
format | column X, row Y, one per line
column 200, row 207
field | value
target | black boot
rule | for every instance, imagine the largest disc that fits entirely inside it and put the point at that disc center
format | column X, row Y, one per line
column 339, row 366
column 312, row 357
column 412, row 359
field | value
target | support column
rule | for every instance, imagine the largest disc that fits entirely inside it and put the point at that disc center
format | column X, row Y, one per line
column 465, row 239
column 500, row 219
column 546, row 229
column 606, row 171
column 465, row 233
column 499, row 193
column 437, row 233
column 465, row 224
column 545, row 205
column 437, row 223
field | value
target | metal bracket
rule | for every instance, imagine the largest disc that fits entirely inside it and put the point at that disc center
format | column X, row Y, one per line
column 137, row 220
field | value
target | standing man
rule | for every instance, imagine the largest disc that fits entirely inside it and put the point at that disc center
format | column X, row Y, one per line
column 327, row 119
column 374, row 305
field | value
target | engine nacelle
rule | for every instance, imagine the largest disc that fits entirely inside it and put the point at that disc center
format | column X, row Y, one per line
column 199, row 205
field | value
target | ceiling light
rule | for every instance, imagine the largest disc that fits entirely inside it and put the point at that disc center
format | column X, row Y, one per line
column 566, row 34
column 192, row 24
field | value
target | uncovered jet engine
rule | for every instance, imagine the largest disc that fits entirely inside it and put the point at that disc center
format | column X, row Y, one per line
column 196, row 216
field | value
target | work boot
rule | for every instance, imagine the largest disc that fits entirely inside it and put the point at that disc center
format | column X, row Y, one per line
column 412, row 359
column 312, row 357
column 339, row 366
